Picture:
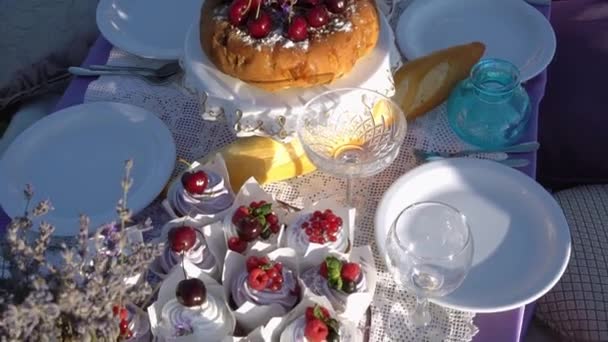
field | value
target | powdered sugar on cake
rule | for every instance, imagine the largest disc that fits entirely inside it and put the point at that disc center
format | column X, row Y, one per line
column 277, row 37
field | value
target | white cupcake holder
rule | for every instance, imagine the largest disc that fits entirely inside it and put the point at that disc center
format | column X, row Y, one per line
column 249, row 315
column 166, row 292
column 357, row 304
column 214, row 239
column 252, row 191
column 143, row 317
column 348, row 225
column 215, row 165
column 271, row 332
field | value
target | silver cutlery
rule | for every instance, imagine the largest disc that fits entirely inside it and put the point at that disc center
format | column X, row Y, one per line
column 147, row 76
column 519, row 148
column 165, row 70
column 515, row 162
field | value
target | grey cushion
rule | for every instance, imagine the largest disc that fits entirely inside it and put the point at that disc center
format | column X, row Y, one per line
column 577, row 307
column 39, row 39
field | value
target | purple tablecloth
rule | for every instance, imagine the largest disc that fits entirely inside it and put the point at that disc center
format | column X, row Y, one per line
column 507, row 326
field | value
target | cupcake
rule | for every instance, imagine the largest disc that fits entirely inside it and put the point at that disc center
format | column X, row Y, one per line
column 335, row 279
column 184, row 239
column 134, row 325
column 261, row 287
column 264, row 283
column 190, row 308
column 255, row 222
column 202, row 192
column 318, row 229
column 348, row 282
column 316, row 325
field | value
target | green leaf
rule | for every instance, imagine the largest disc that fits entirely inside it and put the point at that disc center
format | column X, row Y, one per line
column 333, row 324
column 333, row 263
column 318, row 313
column 265, row 209
column 262, row 220
column 334, row 270
column 335, row 283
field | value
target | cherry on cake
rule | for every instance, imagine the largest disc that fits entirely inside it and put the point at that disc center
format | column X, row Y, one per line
column 280, row 44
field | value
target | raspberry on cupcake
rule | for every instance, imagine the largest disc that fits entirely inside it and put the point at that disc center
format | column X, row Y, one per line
column 266, row 282
column 260, row 287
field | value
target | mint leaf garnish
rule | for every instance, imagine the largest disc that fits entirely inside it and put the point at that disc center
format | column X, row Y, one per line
column 334, row 270
column 335, row 283
column 265, row 209
column 333, row 324
column 318, row 313
column 266, row 267
column 262, row 220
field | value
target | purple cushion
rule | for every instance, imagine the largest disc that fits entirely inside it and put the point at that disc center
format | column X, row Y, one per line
column 573, row 121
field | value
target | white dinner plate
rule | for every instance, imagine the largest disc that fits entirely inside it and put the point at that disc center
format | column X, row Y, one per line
column 76, row 158
column 225, row 90
column 512, row 30
column 520, row 235
column 148, row 28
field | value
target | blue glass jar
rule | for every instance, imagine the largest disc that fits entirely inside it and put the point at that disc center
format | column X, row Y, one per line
column 490, row 108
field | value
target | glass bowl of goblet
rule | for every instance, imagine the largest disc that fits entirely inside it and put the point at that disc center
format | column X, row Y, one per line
column 351, row 133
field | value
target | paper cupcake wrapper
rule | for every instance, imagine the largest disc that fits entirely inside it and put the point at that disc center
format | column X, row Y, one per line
column 356, row 304
column 272, row 331
column 141, row 331
column 166, row 293
column 213, row 236
column 252, row 191
column 251, row 315
column 348, row 224
column 216, row 165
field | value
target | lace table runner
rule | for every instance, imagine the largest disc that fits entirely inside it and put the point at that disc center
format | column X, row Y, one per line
column 195, row 138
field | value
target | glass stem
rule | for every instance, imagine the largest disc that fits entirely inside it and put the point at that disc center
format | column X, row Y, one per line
column 349, row 192
column 421, row 316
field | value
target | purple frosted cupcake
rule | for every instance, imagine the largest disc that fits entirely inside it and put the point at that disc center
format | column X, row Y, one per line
column 185, row 242
column 200, row 193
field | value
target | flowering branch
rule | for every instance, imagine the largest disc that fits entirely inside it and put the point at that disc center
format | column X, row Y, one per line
column 72, row 299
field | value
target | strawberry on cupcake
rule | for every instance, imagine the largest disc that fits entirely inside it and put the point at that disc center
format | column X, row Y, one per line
column 335, row 279
column 316, row 325
column 348, row 282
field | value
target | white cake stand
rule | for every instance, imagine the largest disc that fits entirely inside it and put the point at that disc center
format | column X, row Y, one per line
column 254, row 111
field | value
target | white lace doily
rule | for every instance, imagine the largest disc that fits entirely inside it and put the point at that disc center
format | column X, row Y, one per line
column 195, row 138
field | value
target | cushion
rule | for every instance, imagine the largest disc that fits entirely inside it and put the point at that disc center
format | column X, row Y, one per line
column 39, row 39
column 577, row 307
column 573, row 118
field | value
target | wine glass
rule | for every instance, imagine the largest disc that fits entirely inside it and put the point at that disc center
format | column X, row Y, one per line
column 429, row 250
column 351, row 132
